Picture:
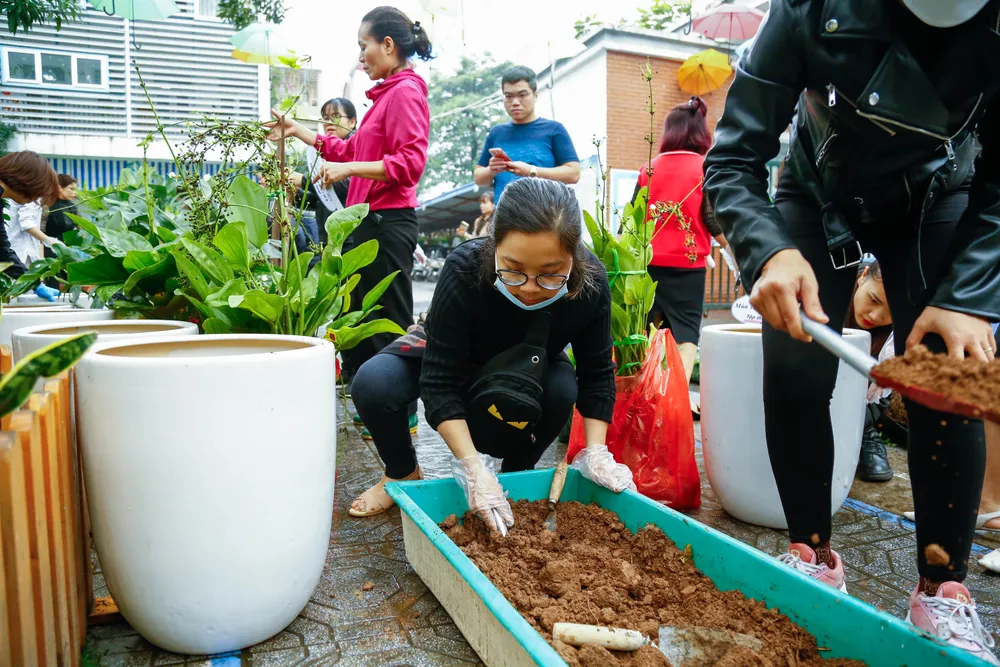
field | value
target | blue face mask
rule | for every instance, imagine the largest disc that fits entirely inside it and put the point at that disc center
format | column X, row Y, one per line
column 535, row 306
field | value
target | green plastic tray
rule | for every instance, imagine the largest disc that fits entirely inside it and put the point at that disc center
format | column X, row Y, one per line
column 848, row 627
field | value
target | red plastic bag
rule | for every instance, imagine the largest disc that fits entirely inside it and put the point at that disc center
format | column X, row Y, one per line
column 652, row 431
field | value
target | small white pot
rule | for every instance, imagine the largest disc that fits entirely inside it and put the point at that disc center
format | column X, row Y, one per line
column 83, row 301
column 732, row 423
column 30, row 339
column 15, row 316
column 209, row 463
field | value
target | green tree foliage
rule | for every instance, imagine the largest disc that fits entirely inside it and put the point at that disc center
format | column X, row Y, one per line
column 23, row 14
column 460, row 118
column 242, row 13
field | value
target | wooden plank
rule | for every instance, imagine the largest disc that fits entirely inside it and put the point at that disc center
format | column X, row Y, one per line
column 63, row 595
column 6, row 659
column 16, row 553
column 6, row 358
column 78, row 543
column 105, row 612
column 25, row 424
column 67, row 379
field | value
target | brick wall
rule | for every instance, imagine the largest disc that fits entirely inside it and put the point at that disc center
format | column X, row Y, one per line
column 628, row 126
column 628, row 119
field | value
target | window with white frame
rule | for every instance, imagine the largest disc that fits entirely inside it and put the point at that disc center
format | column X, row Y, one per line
column 54, row 69
column 206, row 9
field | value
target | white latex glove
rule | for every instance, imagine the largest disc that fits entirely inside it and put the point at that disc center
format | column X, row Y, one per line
column 483, row 492
column 597, row 464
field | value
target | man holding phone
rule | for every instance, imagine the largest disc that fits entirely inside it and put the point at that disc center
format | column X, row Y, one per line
column 528, row 145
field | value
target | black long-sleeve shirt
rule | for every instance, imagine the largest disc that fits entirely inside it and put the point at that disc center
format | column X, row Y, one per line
column 58, row 223
column 470, row 322
column 7, row 253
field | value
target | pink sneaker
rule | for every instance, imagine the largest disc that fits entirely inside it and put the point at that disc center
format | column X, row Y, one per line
column 801, row 557
column 951, row 616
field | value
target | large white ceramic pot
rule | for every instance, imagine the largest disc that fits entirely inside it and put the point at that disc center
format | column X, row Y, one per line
column 209, row 463
column 30, row 339
column 732, row 423
column 15, row 316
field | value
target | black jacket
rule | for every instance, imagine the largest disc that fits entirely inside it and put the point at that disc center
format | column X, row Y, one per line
column 58, row 223
column 886, row 113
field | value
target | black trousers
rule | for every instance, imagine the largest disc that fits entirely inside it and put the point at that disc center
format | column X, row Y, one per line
column 396, row 233
column 386, row 385
column 947, row 454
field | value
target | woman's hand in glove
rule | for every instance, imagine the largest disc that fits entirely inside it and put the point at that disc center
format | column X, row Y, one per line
column 47, row 293
column 483, row 492
column 597, row 464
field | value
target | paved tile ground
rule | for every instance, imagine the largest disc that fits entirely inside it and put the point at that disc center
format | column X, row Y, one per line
column 399, row 623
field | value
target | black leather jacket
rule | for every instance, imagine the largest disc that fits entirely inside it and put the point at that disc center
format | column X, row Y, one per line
column 875, row 137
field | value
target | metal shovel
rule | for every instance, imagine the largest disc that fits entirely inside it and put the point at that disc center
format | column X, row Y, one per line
column 555, row 491
column 865, row 364
column 683, row 645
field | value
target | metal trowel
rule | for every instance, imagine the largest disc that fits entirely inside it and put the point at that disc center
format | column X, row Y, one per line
column 555, row 491
column 683, row 645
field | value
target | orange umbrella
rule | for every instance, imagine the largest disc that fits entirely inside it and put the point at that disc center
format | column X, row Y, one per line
column 704, row 72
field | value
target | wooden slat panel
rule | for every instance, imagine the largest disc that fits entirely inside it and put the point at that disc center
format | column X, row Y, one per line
column 6, row 358
column 17, row 572
column 25, row 425
column 61, row 560
column 6, row 659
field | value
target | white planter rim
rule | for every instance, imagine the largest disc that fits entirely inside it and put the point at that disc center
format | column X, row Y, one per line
column 743, row 329
column 70, row 328
column 152, row 350
column 48, row 307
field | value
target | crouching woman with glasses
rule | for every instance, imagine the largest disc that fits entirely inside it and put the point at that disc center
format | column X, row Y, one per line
column 489, row 362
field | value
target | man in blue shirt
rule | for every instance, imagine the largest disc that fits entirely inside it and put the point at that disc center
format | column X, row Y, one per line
column 528, row 145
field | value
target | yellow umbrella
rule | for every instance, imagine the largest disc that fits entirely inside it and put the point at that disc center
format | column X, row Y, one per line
column 704, row 72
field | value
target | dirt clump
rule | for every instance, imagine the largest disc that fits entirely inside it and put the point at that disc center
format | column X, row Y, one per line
column 966, row 380
column 896, row 410
column 936, row 555
column 594, row 570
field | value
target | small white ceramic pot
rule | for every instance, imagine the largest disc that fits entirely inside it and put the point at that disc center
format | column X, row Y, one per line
column 16, row 316
column 30, row 339
column 209, row 463
column 732, row 423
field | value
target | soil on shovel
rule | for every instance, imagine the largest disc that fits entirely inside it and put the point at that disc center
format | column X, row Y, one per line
column 594, row 570
column 969, row 380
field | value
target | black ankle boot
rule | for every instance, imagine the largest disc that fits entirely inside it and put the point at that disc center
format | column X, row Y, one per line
column 873, row 464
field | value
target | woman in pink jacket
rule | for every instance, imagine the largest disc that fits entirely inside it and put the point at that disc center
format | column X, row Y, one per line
column 384, row 159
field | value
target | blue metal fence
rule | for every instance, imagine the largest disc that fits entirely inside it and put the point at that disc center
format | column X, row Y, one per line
column 93, row 173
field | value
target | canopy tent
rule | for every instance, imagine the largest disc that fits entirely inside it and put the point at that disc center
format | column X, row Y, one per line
column 447, row 211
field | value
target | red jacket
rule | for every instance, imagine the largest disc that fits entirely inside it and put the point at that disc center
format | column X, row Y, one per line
column 680, row 241
column 395, row 130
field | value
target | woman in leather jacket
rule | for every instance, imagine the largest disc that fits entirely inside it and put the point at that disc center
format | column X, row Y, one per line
column 888, row 100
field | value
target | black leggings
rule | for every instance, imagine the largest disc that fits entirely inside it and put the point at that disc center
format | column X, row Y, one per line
column 386, row 385
column 947, row 454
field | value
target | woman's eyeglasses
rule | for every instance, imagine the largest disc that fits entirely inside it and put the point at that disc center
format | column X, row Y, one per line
column 512, row 278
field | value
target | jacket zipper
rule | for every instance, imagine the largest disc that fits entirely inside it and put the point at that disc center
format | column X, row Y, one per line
column 832, row 101
column 879, row 120
column 821, row 153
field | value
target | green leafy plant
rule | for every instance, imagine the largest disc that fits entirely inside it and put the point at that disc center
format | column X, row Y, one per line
column 23, row 14
column 7, row 132
column 17, row 385
column 661, row 14
column 242, row 13
column 584, row 25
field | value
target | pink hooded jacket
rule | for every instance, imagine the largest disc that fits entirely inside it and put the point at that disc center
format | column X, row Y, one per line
column 395, row 130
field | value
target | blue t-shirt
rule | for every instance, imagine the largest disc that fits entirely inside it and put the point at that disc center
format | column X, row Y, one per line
column 542, row 143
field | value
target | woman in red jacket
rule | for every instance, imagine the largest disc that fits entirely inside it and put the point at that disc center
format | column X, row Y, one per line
column 684, row 225
column 384, row 159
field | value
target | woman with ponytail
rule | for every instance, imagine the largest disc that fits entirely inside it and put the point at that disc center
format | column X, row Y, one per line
column 684, row 225
column 384, row 160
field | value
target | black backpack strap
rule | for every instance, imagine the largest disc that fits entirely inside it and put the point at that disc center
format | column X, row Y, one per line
column 538, row 332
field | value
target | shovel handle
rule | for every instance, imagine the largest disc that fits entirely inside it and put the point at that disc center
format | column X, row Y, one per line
column 615, row 639
column 558, row 480
column 836, row 345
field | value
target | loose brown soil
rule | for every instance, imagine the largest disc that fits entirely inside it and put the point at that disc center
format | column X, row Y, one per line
column 594, row 570
column 897, row 409
column 967, row 380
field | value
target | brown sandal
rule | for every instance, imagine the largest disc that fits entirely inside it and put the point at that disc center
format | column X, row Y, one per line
column 375, row 500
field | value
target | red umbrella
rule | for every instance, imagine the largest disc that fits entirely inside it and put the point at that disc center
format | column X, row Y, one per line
column 733, row 23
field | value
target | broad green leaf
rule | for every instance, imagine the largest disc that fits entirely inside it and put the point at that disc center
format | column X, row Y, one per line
column 17, row 385
column 85, row 225
column 192, row 273
column 214, row 325
column 235, row 287
column 619, row 322
column 268, row 307
column 349, row 286
column 348, row 337
column 632, row 294
column 596, row 235
column 213, row 264
column 298, row 269
column 120, row 243
column 139, row 259
column 160, row 268
column 310, row 287
column 349, row 320
column 341, row 223
column 248, row 203
column 232, row 241
column 106, row 292
column 375, row 293
column 101, row 270
column 359, row 257
column 332, row 263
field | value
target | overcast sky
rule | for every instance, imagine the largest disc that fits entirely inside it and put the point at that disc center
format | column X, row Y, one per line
column 516, row 31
